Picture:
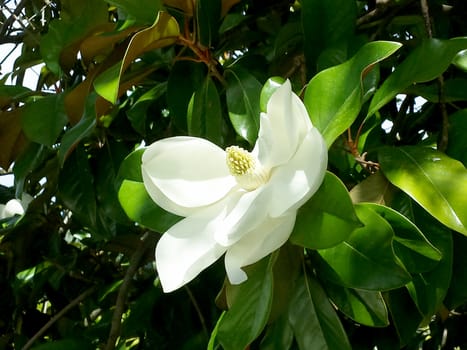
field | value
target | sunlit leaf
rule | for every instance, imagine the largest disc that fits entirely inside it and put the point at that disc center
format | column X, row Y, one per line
column 435, row 181
column 334, row 96
column 374, row 189
column 162, row 33
column 365, row 307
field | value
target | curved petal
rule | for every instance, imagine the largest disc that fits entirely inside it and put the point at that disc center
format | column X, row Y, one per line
column 182, row 174
column 188, row 247
column 12, row 207
column 254, row 246
column 244, row 214
column 295, row 182
column 282, row 128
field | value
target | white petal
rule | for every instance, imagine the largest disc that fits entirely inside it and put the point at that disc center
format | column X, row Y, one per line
column 254, row 246
column 188, row 247
column 244, row 214
column 295, row 182
column 182, row 174
column 13, row 207
column 282, row 128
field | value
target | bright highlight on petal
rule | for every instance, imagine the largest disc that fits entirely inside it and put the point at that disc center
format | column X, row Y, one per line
column 236, row 202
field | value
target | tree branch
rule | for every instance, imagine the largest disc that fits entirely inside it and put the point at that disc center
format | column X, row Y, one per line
column 60, row 314
column 123, row 292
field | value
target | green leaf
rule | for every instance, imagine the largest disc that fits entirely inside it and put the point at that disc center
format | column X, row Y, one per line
column 250, row 306
column 327, row 219
column 44, row 119
column 279, row 335
column 362, row 306
column 410, row 245
column 424, row 63
column 78, row 132
column 140, row 208
column 243, row 96
column 326, row 24
column 374, row 189
column 427, row 176
column 208, row 13
column 163, row 32
column 457, row 147
column 428, row 289
column 453, row 90
column 205, row 113
column 315, row 323
column 366, row 260
column 141, row 12
column 334, row 96
column 58, row 47
column 185, row 78
column 405, row 315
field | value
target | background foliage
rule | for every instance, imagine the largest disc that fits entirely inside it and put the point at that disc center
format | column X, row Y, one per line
column 377, row 257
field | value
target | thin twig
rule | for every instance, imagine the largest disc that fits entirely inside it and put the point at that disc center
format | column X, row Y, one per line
column 123, row 292
column 198, row 310
column 60, row 314
column 9, row 21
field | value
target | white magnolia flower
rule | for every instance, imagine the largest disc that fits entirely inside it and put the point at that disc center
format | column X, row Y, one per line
column 15, row 207
column 236, row 202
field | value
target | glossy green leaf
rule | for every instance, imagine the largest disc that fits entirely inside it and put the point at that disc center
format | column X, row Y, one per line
column 163, row 32
column 405, row 315
column 185, row 78
column 140, row 208
column 279, row 335
column 44, row 119
column 76, row 188
column 453, row 90
column 424, row 63
column 243, row 95
column 141, row 12
column 365, row 260
column 327, row 219
column 362, row 306
column 250, row 307
column 138, row 112
column 77, row 20
column 78, row 132
column 326, row 24
column 205, row 113
column 208, row 13
column 135, row 200
column 435, row 181
column 315, row 323
column 428, row 289
column 334, row 96
column 460, row 60
column 410, row 245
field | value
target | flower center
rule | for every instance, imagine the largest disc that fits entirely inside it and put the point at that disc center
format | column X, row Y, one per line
column 246, row 168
